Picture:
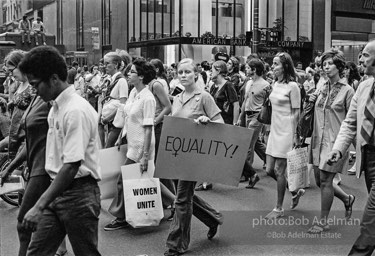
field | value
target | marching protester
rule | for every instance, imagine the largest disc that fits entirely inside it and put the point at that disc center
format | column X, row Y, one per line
column 159, row 88
column 116, row 90
column 18, row 104
column 71, row 204
column 36, row 126
column 196, row 104
column 285, row 98
column 256, row 90
column 359, row 125
column 139, row 125
column 332, row 103
column 226, row 99
column 233, row 66
column 352, row 74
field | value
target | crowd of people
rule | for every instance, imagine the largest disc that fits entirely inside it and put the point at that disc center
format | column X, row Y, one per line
column 57, row 118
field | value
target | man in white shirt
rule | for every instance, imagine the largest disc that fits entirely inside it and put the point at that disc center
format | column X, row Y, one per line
column 71, row 205
column 38, row 28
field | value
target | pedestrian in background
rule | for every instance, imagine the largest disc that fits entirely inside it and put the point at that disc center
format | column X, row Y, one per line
column 25, row 28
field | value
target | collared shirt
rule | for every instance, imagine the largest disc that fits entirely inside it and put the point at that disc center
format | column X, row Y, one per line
column 140, row 112
column 331, row 107
column 351, row 127
column 255, row 93
column 120, row 90
column 72, row 135
column 200, row 103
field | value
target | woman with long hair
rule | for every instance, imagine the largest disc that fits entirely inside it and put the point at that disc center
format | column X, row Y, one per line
column 233, row 66
column 285, row 99
column 192, row 103
column 332, row 104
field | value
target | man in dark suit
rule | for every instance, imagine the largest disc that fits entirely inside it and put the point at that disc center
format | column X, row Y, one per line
column 72, row 72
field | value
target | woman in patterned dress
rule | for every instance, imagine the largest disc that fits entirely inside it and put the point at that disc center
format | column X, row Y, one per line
column 332, row 104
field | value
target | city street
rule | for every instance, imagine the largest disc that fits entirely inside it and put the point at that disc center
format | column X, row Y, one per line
column 236, row 204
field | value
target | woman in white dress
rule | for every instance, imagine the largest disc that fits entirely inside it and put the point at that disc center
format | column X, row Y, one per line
column 285, row 99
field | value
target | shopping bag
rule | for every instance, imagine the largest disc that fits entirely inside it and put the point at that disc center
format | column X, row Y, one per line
column 13, row 184
column 142, row 197
column 297, row 168
column 110, row 162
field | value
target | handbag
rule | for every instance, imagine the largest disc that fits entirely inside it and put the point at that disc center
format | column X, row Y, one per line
column 227, row 106
column 109, row 110
column 297, row 168
column 305, row 124
column 142, row 197
column 265, row 113
column 119, row 119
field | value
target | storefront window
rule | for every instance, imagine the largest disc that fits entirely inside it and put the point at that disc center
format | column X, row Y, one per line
column 305, row 20
column 190, row 18
column 290, row 20
column 169, row 19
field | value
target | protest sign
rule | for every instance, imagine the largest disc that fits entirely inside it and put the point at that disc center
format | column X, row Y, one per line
column 142, row 197
column 213, row 152
column 110, row 162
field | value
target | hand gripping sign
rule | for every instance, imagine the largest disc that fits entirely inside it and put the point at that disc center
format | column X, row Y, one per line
column 213, row 152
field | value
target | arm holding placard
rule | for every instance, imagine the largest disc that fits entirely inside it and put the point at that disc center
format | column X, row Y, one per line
column 146, row 148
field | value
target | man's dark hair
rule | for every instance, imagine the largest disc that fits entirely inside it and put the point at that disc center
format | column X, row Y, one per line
column 258, row 65
column 43, row 62
column 75, row 64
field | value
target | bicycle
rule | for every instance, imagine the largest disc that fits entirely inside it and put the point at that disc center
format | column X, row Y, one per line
column 15, row 197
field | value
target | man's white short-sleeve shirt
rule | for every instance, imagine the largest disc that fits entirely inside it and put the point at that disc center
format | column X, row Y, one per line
column 72, row 135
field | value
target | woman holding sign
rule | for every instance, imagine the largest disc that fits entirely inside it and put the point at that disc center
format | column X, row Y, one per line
column 196, row 104
column 285, row 99
column 139, row 115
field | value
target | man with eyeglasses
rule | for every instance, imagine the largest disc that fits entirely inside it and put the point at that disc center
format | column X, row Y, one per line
column 10, row 84
column 71, row 204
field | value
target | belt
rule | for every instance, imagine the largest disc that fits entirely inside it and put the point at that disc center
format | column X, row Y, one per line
column 249, row 113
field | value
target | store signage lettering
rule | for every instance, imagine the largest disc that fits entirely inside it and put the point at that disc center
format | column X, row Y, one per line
column 369, row 4
column 217, row 41
column 288, row 44
column 210, row 41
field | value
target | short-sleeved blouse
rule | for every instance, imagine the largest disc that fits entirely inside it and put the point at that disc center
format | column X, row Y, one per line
column 139, row 112
column 226, row 93
column 199, row 104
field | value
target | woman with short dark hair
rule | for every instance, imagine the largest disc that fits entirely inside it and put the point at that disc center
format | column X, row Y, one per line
column 139, row 115
column 332, row 104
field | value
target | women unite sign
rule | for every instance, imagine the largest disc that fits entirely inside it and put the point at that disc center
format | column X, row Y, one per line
column 213, row 152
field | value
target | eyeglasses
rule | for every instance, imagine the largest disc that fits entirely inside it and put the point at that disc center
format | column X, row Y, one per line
column 133, row 71
column 10, row 70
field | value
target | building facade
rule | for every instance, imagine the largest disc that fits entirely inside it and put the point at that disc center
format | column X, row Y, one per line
column 174, row 29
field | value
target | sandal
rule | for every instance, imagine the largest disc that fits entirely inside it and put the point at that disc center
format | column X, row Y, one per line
column 318, row 228
column 349, row 207
column 61, row 253
column 296, row 197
